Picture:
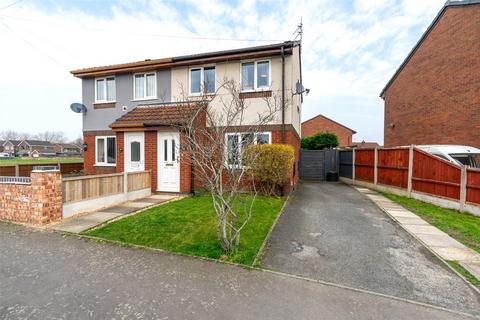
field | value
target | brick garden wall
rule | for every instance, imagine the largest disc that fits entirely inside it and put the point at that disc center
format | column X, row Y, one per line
column 435, row 98
column 38, row 203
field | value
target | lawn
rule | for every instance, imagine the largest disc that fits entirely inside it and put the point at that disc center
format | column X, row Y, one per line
column 470, row 277
column 462, row 226
column 189, row 226
column 40, row 161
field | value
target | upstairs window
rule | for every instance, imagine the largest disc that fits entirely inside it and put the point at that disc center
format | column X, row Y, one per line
column 202, row 79
column 105, row 89
column 255, row 75
column 145, row 86
column 105, row 151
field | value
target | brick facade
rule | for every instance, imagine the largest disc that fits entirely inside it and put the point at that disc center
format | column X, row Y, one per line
column 320, row 124
column 151, row 154
column 38, row 203
column 435, row 97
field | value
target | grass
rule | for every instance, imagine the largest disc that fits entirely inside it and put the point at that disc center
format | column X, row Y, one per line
column 462, row 226
column 470, row 277
column 14, row 161
column 189, row 226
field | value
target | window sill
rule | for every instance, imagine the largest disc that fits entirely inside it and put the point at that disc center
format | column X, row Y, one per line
column 145, row 99
column 104, row 105
column 105, row 165
column 255, row 94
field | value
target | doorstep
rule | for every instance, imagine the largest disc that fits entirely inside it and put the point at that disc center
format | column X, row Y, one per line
column 436, row 240
column 88, row 221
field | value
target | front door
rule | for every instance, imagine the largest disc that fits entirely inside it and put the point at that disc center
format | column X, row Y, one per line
column 168, row 162
column 134, row 151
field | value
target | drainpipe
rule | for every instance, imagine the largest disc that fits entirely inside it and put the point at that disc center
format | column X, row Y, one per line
column 283, row 94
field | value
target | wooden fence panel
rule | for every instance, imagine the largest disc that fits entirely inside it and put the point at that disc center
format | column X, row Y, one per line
column 91, row 187
column 473, row 186
column 435, row 176
column 364, row 164
column 69, row 168
column 24, row 170
column 7, row 171
column 139, row 180
column 392, row 167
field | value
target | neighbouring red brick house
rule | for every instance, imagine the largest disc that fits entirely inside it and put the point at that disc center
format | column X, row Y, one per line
column 434, row 96
column 133, row 111
column 321, row 123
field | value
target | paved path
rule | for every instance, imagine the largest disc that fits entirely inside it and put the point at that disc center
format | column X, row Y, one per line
column 87, row 221
column 435, row 239
column 47, row 275
column 332, row 232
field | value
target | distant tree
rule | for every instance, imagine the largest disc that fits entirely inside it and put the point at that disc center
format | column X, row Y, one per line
column 320, row 141
column 78, row 141
column 13, row 135
column 51, row 136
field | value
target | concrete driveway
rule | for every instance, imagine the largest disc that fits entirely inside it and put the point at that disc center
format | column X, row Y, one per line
column 45, row 275
column 331, row 232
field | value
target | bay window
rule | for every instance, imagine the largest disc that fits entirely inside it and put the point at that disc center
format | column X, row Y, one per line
column 105, row 89
column 145, row 86
column 255, row 75
column 105, row 148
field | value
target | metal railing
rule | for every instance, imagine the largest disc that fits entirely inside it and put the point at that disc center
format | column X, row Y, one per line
column 45, row 168
column 15, row 180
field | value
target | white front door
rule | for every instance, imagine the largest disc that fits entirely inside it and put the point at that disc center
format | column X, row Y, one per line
column 168, row 161
column 134, row 151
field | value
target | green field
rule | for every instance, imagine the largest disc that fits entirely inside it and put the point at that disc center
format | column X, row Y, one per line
column 189, row 226
column 39, row 161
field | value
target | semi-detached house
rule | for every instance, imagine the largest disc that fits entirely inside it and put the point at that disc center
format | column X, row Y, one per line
column 131, row 107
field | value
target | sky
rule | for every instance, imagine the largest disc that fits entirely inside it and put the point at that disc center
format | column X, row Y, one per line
column 350, row 49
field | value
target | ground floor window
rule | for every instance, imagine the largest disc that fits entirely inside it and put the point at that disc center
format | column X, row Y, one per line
column 237, row 141
column 105, row 151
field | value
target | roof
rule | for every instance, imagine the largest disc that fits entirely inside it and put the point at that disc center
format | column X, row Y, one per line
column 14, row 142
column 68, row 145
column 208, row 57
column 365, row 144
column 448, row 4
column 37, row 142
column 321, row 115
column 157, row 115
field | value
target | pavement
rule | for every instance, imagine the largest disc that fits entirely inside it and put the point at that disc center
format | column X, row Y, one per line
column 436, row 240
column 80, row 223
column 49, row 275
column 332, row 232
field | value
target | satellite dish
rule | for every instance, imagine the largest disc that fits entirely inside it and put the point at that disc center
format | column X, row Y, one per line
column 78, row 108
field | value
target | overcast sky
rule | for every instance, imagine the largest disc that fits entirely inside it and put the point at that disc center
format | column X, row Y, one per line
column 350, row 49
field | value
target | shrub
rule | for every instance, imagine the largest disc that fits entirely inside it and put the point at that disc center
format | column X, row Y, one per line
column 320, row 141
column 270, row 165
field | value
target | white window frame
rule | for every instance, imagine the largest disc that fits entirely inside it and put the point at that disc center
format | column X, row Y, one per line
column 105, row 90
column 105, row 146
column 145, row 97
column 201, row 68
column 239, row 135
column 255, row 86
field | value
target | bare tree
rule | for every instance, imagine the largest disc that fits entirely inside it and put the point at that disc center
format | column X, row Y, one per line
column 13, row 135
column 51, row 136
column 216, row 137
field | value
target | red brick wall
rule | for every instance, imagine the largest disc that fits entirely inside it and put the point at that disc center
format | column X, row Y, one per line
column 323, row 124
column 151, row 153
column 38, row 203
column 435, row 99
column 292, row 139
column 89, row 156
column 120, row 154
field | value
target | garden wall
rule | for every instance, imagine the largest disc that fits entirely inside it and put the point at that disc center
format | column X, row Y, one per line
column 36, row 200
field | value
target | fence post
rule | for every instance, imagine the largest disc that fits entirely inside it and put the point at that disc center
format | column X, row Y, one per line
column 410, row 171
column 17, row 170
column 463, row 188
column 375, row 166
column 125, row 182
column 353, row 165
